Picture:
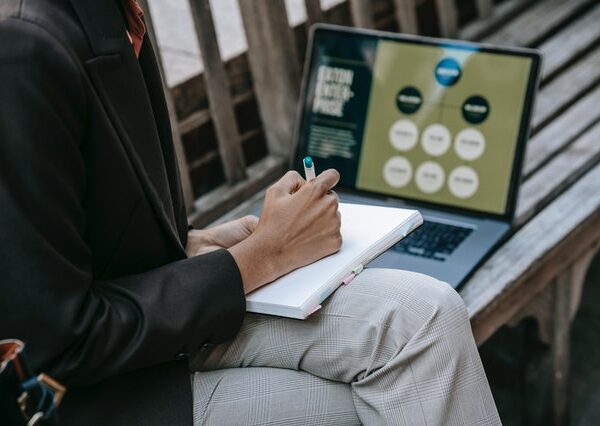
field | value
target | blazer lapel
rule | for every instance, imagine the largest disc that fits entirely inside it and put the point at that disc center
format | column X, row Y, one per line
column 154, row 85
column 119, row 82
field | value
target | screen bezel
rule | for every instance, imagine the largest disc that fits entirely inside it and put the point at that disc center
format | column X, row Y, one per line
column 524, row 126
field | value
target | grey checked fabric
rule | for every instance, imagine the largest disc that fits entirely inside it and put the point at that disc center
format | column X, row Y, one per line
column 391, row 348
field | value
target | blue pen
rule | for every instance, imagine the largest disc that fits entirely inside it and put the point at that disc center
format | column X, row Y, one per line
column 309, row 168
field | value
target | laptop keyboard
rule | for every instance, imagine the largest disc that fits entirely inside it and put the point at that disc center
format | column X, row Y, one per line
column 433, row 240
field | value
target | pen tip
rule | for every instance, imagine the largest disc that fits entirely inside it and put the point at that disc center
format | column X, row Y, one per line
column 308, row 161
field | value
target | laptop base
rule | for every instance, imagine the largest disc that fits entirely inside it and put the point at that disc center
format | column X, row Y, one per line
column 456, row 267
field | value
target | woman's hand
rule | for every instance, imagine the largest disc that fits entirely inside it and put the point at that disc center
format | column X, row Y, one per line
column 224, row 236
column 299, row 224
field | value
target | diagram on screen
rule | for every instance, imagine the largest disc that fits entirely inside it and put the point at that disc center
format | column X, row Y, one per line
column 442, row 125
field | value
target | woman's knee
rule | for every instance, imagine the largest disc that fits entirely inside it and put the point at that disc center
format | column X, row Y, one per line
column 443, row 297
column 428, row 297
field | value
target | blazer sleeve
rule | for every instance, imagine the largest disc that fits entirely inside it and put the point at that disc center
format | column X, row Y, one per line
column 80, row 329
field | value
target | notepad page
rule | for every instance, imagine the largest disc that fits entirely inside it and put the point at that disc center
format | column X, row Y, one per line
column 363, row 226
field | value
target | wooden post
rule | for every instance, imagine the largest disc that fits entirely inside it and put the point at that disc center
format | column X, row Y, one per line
column 580, row 270
column 561, row 346
column 275, row 68
column 568, row 288
column 314, row 13
column 362, row 13
column 447, row 17
column 406, row 15
column 219, row 97
column 484, row 7
column 186, row 184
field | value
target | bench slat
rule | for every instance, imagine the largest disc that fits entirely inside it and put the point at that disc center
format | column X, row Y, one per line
column 314, row 13
column 561, row 131
column 501, row 14
column 362, row 13
column 485, row 8
column 447, row 17
column 558, row 174
column 577, row 80
column 406, row 15
column 219, row 97
column 531, row 27
column 215, row 205
column 275, row 70
column 577, row 38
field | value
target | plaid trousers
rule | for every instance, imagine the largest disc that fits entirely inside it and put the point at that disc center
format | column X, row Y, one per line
column 391, row 348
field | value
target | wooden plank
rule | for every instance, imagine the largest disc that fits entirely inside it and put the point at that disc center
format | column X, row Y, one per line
column 562, row 131
column 579, row 37
column 534, row 25
column 533, row 256
column 182, row 163
column 252, row 204
column 561, row 345
column 580, row 272
column 406, row 15
column 485, row 8
column 210, row 156
column 220, row 102
column 191, row 94
column 362, row 13
column 223, row 199
column 558, row 174
column 275, row 70
column 539, row 308
column 579, row 79
column 447, row 17
column 501, row 14
column 314, row 13
column 202, row 161
column 201, row 117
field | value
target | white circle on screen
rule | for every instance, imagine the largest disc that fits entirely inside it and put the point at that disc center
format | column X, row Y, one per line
column 436, row 140
column 463, row 182
column 469, row 144
column 404, row 135
column 397, row 172
column 430, row 177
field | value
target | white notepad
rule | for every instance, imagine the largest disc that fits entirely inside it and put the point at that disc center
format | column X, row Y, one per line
column 367, row 231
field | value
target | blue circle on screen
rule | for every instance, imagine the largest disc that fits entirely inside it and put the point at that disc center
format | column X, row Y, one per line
column 447, row 72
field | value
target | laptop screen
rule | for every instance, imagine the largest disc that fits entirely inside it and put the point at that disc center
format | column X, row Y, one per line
column 419, row 120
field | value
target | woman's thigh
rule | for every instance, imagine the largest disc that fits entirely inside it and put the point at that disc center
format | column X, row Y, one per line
column 360, row 328
column 270, row 396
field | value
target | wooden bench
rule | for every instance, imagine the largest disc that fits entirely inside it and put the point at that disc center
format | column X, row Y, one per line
column 539, row 271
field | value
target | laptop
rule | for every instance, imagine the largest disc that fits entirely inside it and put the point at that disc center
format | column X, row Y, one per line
column 416, row 122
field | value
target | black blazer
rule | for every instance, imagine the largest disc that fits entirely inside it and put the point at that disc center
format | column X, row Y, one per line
column 93, row 271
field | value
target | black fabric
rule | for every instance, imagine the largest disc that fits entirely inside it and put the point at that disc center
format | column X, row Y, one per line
column 93, row 272
column 9, row 391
